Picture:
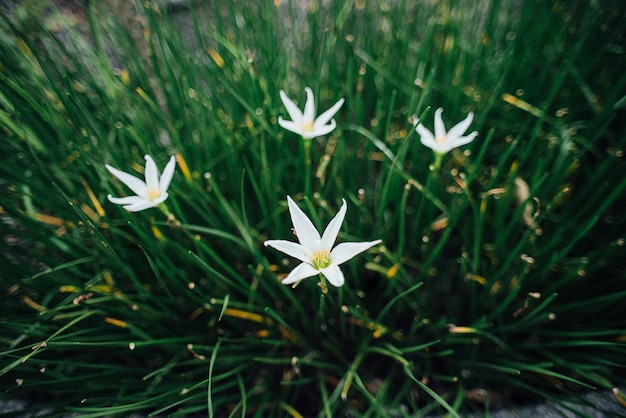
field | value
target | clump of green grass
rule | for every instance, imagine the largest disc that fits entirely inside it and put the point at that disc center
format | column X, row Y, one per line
column 499, row 275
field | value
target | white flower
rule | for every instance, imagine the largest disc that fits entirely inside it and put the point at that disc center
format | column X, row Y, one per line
column 443, row 142
column 150, row 193
column 315, row 252
column 305, row 124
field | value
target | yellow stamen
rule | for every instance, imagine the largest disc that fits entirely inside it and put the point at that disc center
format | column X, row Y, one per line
column 153, row 194
column 307, row 126
column 441, row 139
column 321, row 259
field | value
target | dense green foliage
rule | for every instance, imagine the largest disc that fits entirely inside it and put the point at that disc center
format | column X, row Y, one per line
column 501, row 273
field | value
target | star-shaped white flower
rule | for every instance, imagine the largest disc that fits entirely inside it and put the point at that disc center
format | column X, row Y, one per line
column 317, row 253
column 443, row 142
column 305, row 124
column 150, row 193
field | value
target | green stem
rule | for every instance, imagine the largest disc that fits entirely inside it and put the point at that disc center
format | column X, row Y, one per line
column 321, row 315
column 307, row 165
column 323, row 284
column 437, row 163
column 169, row 215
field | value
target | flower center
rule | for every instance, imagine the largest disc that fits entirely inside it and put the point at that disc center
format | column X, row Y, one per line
column 441, row 139
column 307, row 126
column 321, row 259
column 153, row 194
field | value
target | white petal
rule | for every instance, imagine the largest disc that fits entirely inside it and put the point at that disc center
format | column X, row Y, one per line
column 463, row 140
column 346, row 250
column 442, row 147
column 326, row 116
column 129, row 200
column 133, row 183
column 440, row 128
column 426, row 137
column 151, row 173
column 309, row 134
column 290, row 248
column 302, row 271
column 305, row 230
column 332, row 230
column 291, row 107
column 136, row 207
column 290, row 126
column 334, row 275
column 320, row 130
column 166, row 177
column 132, row 203
column 309, row 107
column 160, row 199
column 459, row 129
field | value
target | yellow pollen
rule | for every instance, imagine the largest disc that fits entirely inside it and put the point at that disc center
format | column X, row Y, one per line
column 321, row 259
column 441, row 139
column 153, row 194
column 307, row 126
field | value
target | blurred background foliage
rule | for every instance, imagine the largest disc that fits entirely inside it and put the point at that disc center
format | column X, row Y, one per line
column 501, row 274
